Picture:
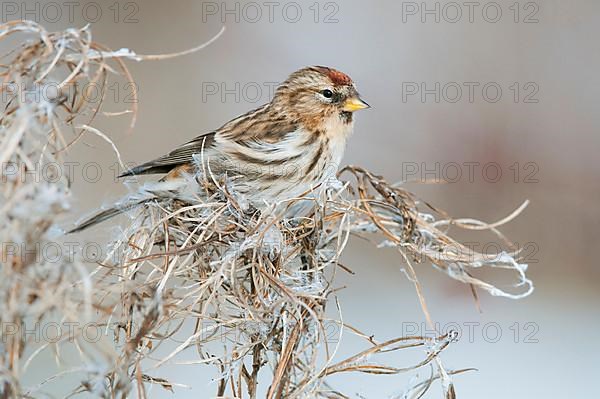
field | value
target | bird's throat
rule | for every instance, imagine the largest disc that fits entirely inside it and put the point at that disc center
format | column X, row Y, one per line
column 346, row 116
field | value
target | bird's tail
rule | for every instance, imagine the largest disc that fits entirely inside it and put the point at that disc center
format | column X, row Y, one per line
column 107, row 214
column 147, row 168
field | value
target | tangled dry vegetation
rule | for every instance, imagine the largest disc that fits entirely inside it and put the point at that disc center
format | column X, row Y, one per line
column 247, row 289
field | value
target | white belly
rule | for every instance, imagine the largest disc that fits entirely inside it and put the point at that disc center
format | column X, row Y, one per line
column 289, row 169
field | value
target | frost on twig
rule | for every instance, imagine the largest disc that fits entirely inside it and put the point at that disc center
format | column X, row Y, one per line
column 234, row 267
column 46, row 108
column 198, row 276
column 38, row 281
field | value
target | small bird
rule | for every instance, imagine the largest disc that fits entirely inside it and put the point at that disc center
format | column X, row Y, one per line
column 283, row 149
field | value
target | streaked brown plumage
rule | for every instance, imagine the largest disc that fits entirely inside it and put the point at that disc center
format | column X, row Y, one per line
column 283, row 148
column 280, row 150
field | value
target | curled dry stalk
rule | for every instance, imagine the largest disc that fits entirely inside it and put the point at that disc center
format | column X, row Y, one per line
column 197, row 276
column 42, row 102
column 53, row 87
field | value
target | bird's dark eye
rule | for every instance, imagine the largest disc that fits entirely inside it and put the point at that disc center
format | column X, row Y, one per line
column 327, row 93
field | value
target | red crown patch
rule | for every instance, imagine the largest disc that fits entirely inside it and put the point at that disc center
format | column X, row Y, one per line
column 339, row 78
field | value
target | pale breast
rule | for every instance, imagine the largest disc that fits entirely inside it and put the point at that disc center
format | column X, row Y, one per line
column 290, row 167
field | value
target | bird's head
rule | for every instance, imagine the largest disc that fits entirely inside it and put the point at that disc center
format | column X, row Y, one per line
column 317, row 93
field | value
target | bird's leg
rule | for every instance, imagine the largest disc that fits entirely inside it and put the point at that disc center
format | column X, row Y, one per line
column 306, row 262
column 307, row 256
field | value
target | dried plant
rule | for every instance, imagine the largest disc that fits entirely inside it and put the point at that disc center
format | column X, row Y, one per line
column 247, row 289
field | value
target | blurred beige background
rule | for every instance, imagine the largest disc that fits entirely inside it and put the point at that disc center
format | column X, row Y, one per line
column 542, row 134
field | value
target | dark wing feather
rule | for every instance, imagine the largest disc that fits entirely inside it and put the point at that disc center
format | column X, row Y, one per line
column 254, row 126
column 179, row 156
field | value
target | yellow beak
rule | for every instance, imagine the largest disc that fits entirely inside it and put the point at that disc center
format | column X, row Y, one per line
column 354, row 104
